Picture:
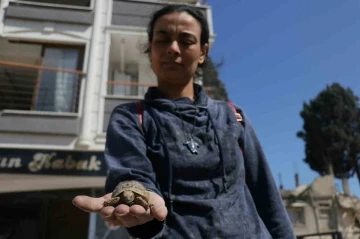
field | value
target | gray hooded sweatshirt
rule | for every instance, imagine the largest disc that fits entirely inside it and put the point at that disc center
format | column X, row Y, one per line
column 225, row 190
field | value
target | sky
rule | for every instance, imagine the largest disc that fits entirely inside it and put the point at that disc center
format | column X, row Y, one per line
column 276, row 56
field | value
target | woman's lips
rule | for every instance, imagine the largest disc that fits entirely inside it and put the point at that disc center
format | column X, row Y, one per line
column 171, row 65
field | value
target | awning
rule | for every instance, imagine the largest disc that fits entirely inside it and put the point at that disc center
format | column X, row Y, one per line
column 25, row 182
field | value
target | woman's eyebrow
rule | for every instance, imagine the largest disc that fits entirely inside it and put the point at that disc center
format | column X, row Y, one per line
column 164, row 32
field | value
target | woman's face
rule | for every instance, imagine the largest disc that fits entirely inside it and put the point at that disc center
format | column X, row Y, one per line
column 175, row 50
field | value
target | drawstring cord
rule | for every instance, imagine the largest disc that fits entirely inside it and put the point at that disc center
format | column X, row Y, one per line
column 222, row 157
column 167, row 156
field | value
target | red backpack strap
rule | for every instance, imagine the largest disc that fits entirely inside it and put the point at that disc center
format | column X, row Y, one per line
column 140, row 111
column 238, row 116
column 240, row 119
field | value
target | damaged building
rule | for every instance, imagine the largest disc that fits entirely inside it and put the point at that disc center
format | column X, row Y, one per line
column 319, row 211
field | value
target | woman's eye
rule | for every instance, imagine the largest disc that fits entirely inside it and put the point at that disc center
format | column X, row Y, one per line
column 161, row 40
column 188, row 42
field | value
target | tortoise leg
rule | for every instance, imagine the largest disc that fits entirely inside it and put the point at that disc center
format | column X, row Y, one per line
column 142, row 202
column 112, row 201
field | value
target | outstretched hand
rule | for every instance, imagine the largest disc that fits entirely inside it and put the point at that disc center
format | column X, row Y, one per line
column 123, row 215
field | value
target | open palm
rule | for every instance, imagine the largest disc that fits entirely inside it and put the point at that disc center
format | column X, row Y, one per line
column 123, row 215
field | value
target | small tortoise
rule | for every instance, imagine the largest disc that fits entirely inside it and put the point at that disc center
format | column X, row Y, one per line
column 129, row 193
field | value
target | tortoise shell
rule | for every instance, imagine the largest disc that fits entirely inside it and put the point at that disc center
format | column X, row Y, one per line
column 133, row 186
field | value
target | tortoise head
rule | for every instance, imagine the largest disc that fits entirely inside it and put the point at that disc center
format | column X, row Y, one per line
column 128, row 197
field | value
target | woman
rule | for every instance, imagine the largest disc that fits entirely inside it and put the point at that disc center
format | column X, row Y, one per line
column 207, row 174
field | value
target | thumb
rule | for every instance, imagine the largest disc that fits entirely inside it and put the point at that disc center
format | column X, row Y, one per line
column 158, row 210
column 90, row 204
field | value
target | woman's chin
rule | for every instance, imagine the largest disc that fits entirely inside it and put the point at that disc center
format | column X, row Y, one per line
column 176, row 80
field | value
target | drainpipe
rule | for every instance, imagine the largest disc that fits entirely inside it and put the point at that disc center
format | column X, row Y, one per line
column 85, row 139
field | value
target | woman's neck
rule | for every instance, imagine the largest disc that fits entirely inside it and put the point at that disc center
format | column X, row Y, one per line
column 173, row 91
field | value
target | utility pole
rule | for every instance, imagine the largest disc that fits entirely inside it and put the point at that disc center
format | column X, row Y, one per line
column 281, row 186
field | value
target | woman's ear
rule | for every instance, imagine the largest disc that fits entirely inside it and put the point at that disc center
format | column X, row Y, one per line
column 149, row 55
column 148, row 51
column 203, row 53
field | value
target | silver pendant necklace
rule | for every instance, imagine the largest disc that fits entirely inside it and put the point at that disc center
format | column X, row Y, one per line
column 192, row 146
column 190, row 143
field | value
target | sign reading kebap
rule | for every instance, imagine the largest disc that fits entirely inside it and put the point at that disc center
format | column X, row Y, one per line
column 52, row 162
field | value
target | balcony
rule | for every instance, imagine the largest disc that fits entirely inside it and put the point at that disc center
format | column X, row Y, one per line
column 138, row 13
column 130, row 89
column 185, row 1
column 56, row 3
column 40, row 87
column 77, row 12
column 129, row 72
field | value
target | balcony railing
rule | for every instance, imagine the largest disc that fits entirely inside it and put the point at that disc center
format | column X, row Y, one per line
column 39, row 88
column 75, row 4
column 134, row 89
column 127, row 88
column 185, row 1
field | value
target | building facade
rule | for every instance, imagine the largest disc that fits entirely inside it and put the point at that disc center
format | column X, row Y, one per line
column 319, row 211
column 64, row 65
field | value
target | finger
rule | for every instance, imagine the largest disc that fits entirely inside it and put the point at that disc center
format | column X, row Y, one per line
column 137, row 210
column 122, row 215
column 127, row 220
column 141, row 214
column 107, row 212
column 132, row 216
column 89, row 204
column 110, row 219
column 122, row 209
column 111, row 224
column 108, row 215
column 113, row 221
column 159, row 212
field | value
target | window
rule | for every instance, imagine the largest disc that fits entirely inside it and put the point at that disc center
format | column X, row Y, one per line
column 39, row 77
column 57, row 90
column 324, row 213
column 125, row 82
column 296, row 215
column 327, row 216
column 78, row 3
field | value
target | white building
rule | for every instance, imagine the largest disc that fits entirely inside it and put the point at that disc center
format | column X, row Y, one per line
column 64, row 65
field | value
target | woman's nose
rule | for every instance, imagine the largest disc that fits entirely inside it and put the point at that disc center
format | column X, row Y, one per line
column 174, row 48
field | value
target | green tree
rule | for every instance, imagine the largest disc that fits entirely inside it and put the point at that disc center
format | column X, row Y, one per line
column 209, row 76
column 331, row 133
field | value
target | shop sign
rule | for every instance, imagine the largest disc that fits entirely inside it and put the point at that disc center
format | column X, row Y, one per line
column 52, row 162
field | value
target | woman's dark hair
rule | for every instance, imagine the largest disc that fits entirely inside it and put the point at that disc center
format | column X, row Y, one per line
column 178, row 8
